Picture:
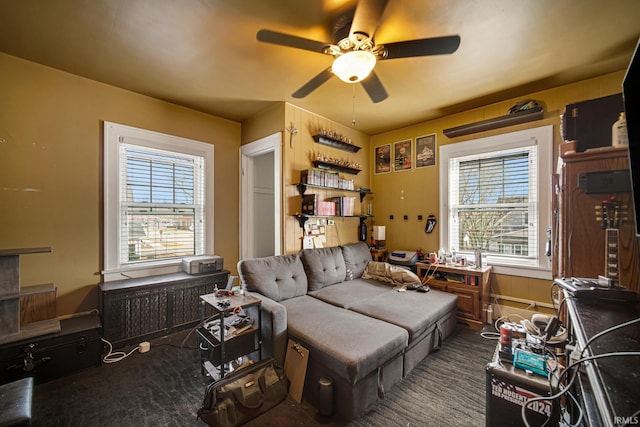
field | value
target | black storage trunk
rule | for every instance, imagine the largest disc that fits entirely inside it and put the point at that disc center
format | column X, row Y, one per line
column 77, row 346
column 507, row 390
column 589, row 122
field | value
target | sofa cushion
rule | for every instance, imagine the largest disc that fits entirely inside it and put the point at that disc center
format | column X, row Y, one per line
column 348, row 293
column 351, row 344
column 414, row 311
column 278, row 277
column 388, row 273
column 324, row 266
column 356, row 257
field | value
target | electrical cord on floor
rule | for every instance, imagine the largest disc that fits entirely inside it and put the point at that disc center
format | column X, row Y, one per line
column 116, row 356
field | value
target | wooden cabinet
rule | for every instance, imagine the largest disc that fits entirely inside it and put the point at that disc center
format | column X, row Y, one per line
column 471, row 285
column 580, row 242
column 379, row 255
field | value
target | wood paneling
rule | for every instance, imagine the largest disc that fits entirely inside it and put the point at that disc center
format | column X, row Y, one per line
column 581, row 239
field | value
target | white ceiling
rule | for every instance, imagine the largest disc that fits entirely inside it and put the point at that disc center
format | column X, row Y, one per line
column 203, row 54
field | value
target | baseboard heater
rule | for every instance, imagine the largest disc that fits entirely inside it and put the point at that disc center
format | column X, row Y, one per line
column 135, row 310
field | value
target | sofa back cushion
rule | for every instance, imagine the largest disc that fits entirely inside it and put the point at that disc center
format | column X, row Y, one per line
column 324, row 266
column 356, row 258
column 277, row 277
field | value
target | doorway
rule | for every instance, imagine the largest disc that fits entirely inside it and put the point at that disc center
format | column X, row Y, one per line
column 260, row 197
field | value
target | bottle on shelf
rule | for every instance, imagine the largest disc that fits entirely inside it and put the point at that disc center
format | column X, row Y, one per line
column 619, row 136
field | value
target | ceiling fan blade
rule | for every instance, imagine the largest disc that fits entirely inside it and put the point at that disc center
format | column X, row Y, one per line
column 374, row 88
column 367, row 17
column 422, row 47
column 313, row 84
column 288, row 40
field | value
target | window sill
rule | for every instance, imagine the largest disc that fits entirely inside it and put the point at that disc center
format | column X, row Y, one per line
column 140, row 271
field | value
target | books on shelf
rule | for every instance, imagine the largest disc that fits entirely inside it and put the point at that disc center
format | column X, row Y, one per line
column 344, row 205
column 322, row 178
column 334, row 206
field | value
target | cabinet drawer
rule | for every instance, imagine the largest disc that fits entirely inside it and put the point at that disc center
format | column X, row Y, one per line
column 438, row 286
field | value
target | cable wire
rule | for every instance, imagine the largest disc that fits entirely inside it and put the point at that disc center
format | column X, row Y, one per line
column 116, row 356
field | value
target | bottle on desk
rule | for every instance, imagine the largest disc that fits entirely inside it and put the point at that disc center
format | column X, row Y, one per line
column 478, row 256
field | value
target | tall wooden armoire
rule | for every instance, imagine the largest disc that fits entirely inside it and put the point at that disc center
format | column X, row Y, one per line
column 590, row 217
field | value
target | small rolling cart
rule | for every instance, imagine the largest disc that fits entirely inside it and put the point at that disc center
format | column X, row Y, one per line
column 231, row 333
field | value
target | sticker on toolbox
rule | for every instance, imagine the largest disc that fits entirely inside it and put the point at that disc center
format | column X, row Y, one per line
column 518, row 395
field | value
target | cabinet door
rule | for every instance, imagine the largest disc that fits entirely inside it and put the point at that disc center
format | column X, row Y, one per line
column 468, row 302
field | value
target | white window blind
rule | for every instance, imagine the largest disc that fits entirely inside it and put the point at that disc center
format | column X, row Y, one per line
column 158, row 201
column 495, row 192
column 493, row 202
column 161, row 203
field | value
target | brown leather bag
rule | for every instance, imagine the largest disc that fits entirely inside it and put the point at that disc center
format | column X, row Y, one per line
column 244, row 394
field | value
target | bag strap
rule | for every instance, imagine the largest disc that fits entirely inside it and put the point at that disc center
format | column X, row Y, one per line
column 438, row 345
column 237, row 393
column 380, row 382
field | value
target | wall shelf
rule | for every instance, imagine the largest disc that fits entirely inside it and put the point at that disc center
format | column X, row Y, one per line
column 303, row 218
column 302, row 188
column 498, row 122
column 335, row 143
column 334, row 167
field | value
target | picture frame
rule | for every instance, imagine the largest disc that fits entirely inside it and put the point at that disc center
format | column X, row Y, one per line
column 382, row 159
column 425, row 151
column 402, row 155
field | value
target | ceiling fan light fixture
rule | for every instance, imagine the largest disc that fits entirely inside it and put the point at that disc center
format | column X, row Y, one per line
column 354, row 66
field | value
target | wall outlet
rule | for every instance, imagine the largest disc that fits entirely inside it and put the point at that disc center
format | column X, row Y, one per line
column 331, row 222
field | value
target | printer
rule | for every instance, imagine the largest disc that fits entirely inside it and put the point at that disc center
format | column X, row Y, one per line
column 202, row 264
column 406, row 259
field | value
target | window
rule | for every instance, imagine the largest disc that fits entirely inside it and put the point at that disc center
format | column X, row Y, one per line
column 495, row 193
column 156, row 205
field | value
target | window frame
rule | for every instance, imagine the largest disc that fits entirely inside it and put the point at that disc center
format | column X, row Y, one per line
column 542, row 136
column 114, row 135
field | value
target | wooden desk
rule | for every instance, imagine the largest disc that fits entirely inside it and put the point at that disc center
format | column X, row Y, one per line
column 471, row 285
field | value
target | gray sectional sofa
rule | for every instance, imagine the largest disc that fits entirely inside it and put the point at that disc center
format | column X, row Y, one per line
column 362, row 333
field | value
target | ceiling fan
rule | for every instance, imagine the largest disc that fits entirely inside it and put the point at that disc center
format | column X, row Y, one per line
column 355, row 53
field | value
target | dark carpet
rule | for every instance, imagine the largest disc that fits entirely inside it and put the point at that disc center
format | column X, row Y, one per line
column 164, row 387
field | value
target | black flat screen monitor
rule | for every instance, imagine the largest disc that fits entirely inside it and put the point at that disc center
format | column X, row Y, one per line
column 631, row 95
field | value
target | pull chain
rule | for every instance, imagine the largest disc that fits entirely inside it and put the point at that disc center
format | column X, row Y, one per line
column 353, row 111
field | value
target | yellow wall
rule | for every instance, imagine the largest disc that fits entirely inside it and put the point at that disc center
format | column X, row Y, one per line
column 416, row 191
column 51, row 171
column 297, row 155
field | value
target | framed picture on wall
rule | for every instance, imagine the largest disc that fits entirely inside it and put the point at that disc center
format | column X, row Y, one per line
column 402, row 157
column 426, row 151
column 382, row 155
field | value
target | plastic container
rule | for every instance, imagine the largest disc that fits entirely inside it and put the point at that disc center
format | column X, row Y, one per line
column 619, row 136
column 489, row 314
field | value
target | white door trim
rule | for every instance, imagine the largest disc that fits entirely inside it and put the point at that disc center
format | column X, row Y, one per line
column 271, row 143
